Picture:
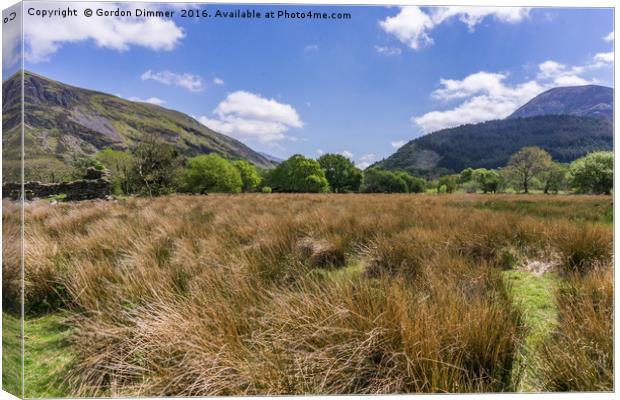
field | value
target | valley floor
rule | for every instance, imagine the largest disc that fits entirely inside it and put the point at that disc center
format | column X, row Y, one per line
column 314, row 294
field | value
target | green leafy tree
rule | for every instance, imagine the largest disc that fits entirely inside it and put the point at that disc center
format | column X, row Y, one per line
column 527, row 164
column 211, row 174
column 593, row 173
column 414, row 183
column 80, row 165
column 119, row 163
column 554, row 178
column 341, row 173
column 380, row 181
column 465, row 175
column 487, row 180
column 449, row 181
column 298, row 174
column 155, row 168
column 249, row 175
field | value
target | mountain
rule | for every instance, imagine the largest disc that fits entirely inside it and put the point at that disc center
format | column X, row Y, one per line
column 62, row 122
column 269, row 157
column 583, row 101
column 490, row 144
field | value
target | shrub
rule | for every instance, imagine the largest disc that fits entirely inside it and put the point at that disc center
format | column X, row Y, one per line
column 593, row 173
column 211, row 174
column 265, row 189
column 379, row 181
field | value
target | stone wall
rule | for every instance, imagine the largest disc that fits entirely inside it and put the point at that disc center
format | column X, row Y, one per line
column 96, row 185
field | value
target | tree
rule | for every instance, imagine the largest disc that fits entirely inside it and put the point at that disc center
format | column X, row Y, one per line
column 414, row 183
column 341, row 173
column 380, row 181
column 528, row 163
column 211, row 174
column 119, row 163
column 593, row 173
column 80, row 165
column 553, row 178
column 449, row 181
column 487, row 180
column 155, row 168
column 298, row 174
column 465, row 175
column 249, row 175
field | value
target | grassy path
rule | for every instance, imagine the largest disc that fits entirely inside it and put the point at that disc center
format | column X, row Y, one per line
column 535, row 294
column 47, row 355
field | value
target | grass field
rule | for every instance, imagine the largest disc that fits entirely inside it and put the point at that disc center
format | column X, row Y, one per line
column 317, row 294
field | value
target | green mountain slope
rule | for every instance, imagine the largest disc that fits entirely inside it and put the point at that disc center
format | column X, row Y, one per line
column 62, row 122
column 490, row 144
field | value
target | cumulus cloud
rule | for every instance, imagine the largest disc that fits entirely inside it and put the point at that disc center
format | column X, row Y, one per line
column 320, row 152
column 486, row 96
column 11, row 40
column 609, row 37
column 388, row 51
column 365, row 161
column 412, row 25
column 398, row 144
column 45, row 36
column 151, row 100
column 246, row 115
column 347, row 154
column 191, row 82
column 218, row 81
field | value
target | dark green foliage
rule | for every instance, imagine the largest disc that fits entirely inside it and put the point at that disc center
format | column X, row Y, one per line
column 81, row 164
column 249, row 175
column 211, row 174
column 466, row 175
column 380, row 181
column 155, row 169
column 449, row 181
column 298, row 174
column 593, row 173
column 341, row 173
column 490, row 144
column 487, row 180
column 119, row 163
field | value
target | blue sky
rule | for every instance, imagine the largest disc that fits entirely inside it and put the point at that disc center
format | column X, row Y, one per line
column 361, row 87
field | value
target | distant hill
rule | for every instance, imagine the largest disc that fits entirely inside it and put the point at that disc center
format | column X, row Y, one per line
column 490, row 144
column 269, row 157
column 63, row 122
column 582, row 101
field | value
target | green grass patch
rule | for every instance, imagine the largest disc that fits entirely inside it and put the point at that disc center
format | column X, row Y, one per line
column 535, row 295
column 11, row 355
column 48, row 356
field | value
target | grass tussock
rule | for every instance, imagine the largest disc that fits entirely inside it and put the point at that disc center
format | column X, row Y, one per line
column 579, row 354
column 293, row 294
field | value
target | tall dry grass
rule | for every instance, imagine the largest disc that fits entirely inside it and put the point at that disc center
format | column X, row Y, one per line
column 255, row 294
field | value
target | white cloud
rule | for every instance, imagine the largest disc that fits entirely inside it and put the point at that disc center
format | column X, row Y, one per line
column 609, row 37
column 605, row 57
column 398, row 144
column 246, row 115
column 320, row 152
column 365, row 161
column 347, row 154
column 193, row 83
column 44, row 36
column 11, row 40
column 486, row 96
column 412, row 25
column 152, row 100
column 388, row 51
column 218, row 81
column 311, row 47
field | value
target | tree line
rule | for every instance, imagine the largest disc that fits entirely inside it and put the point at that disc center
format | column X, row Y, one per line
column 154, row 168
